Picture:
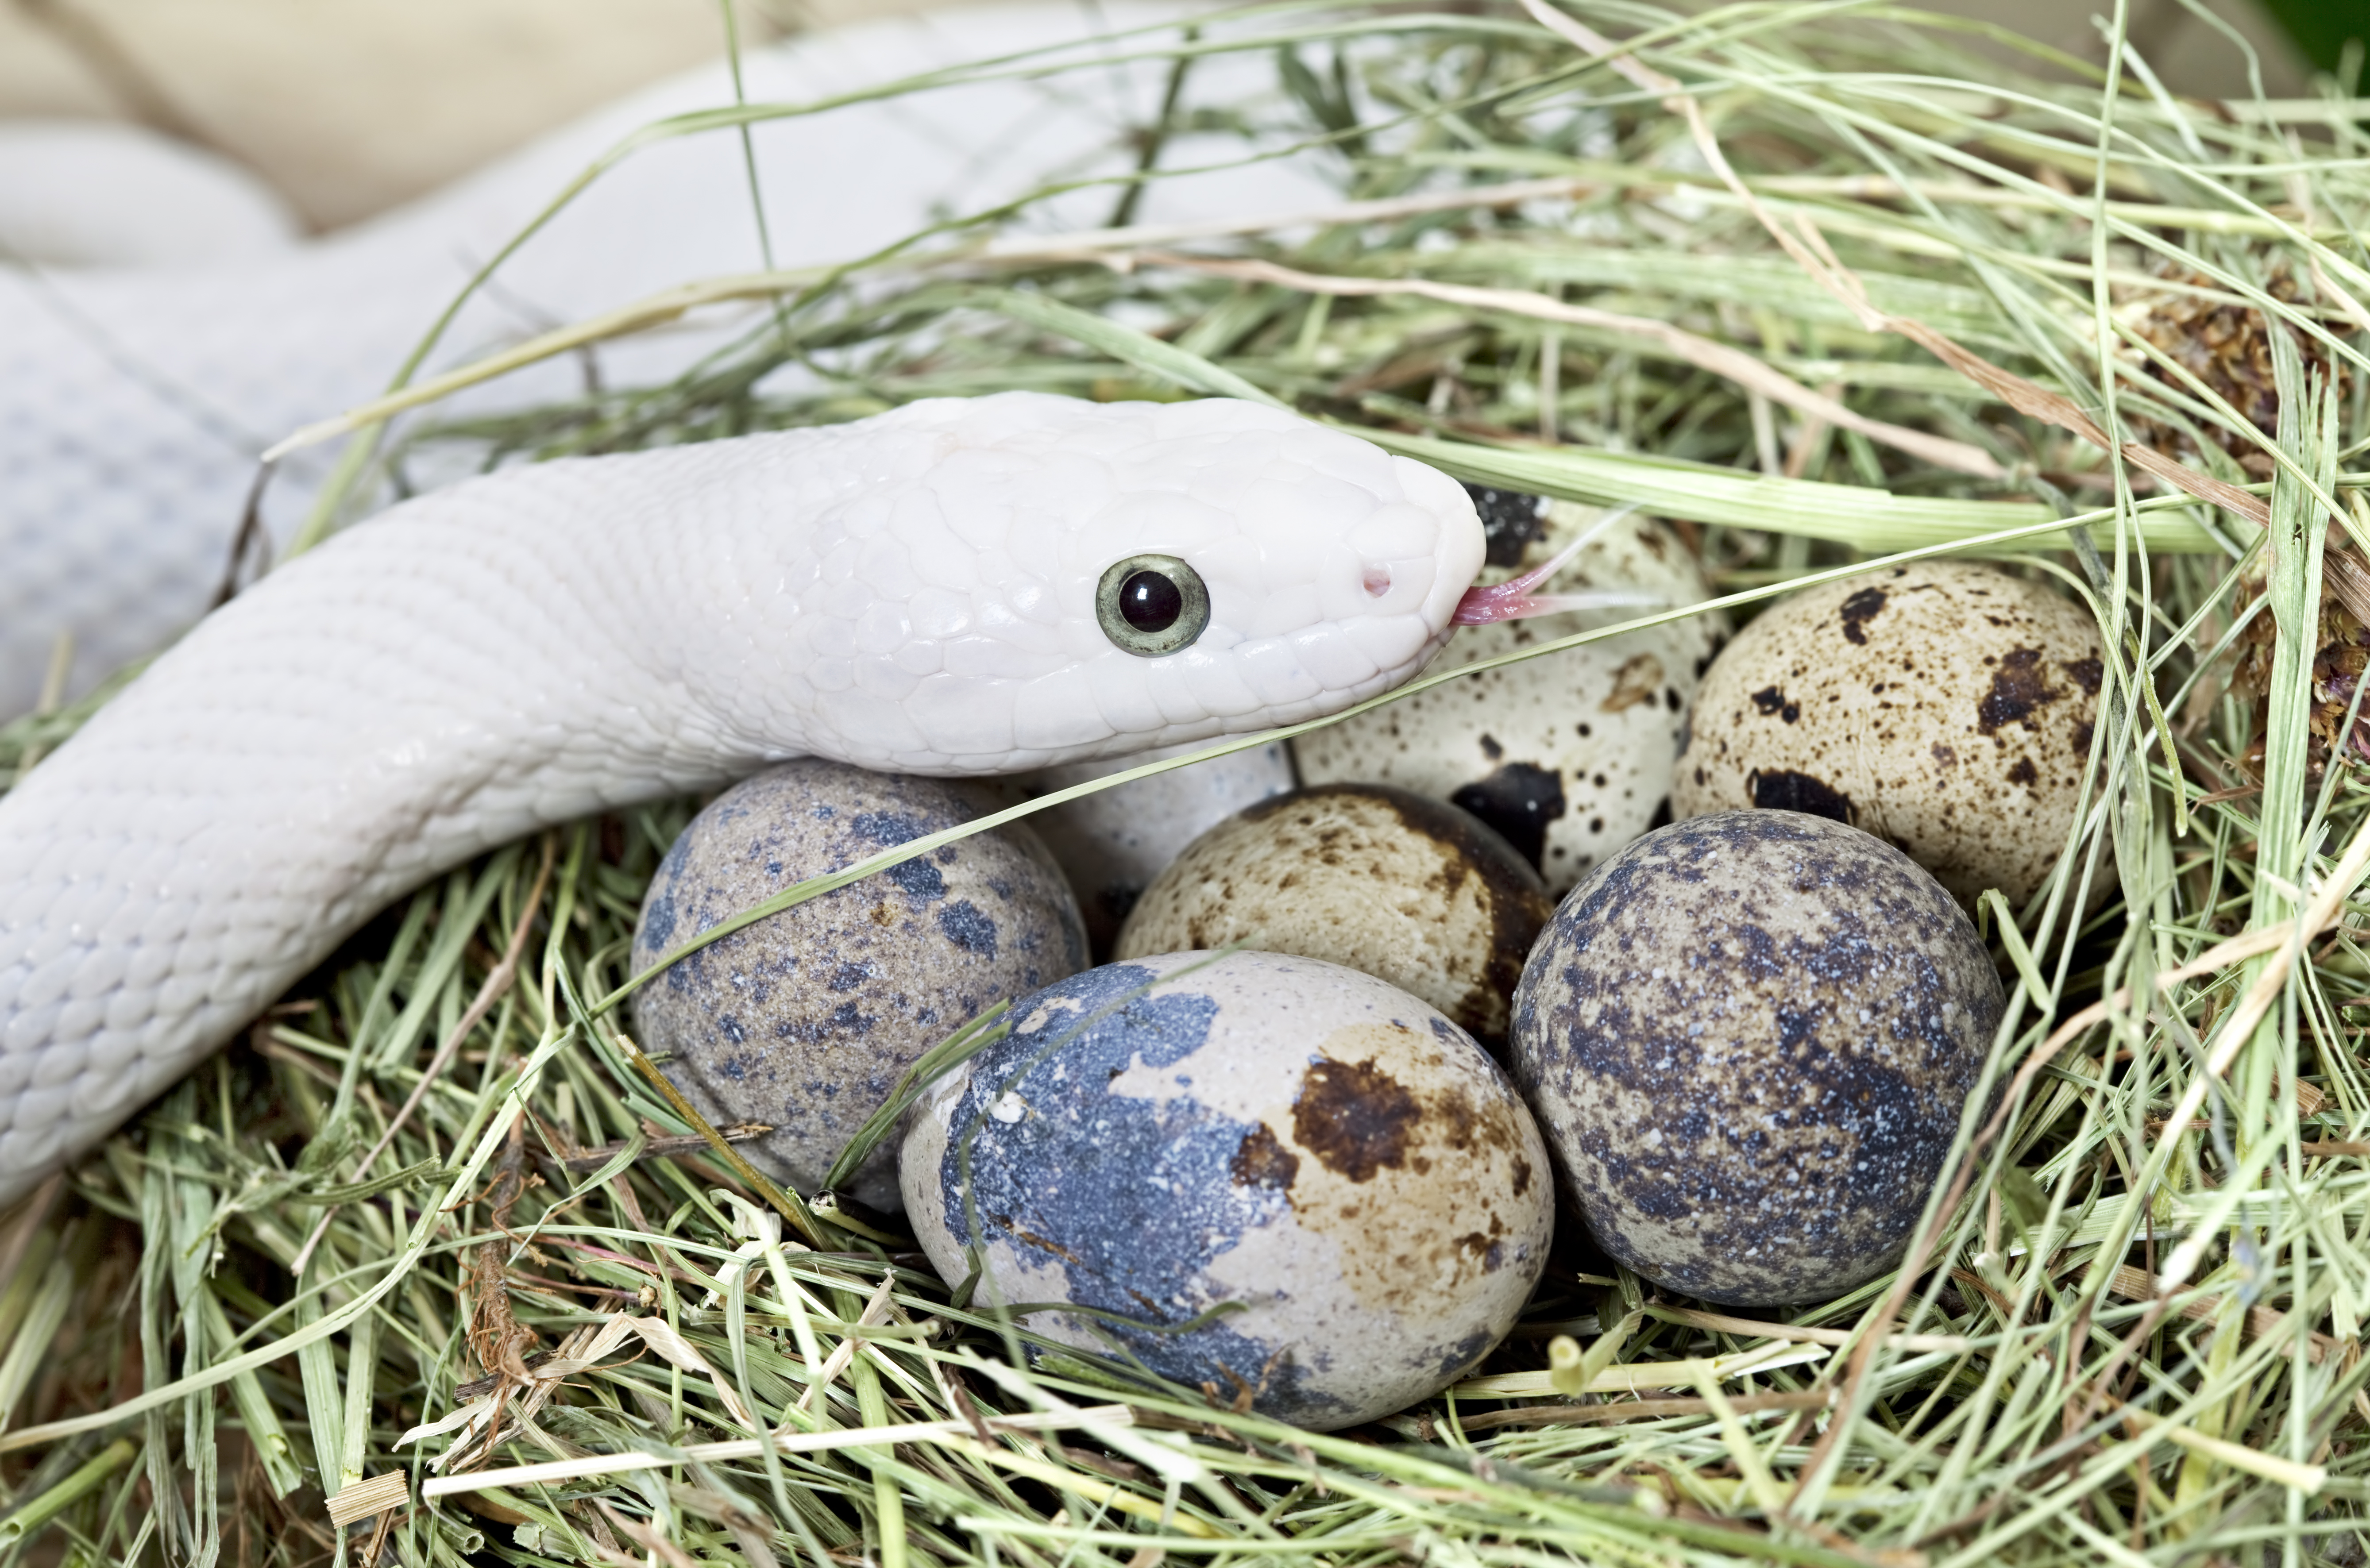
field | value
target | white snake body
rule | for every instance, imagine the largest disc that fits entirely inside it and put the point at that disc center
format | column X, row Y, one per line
column 135, row 398
column 917, row 591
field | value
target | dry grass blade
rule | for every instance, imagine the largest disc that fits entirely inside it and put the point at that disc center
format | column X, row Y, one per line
column 1753, row 374
column 504, row 976
column 1809, row 247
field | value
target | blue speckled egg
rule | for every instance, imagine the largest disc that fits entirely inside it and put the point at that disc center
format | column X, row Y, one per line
column 1160, row 1138
column 806, row 1020
column 1750, row 1037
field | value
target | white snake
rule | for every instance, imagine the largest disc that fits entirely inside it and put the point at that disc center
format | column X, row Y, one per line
column 927, row 591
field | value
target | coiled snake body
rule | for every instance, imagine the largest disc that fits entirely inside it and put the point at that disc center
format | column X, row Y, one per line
column 957, row 587
column 135, row 397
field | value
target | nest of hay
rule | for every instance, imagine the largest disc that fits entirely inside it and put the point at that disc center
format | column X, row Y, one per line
column 433, row 1268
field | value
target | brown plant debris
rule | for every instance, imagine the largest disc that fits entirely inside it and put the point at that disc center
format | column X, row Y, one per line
column 2341, row 651
column 2227, row 346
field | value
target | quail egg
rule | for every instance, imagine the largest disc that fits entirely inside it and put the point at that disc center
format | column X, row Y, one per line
column 1568, row 755
column 1279, row 1180
column 1944, row 706
column 1381, row 879
column 806, row 1020
column 1749, row 1038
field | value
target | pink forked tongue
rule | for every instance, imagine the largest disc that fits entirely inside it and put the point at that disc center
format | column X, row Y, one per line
column 1513, row 600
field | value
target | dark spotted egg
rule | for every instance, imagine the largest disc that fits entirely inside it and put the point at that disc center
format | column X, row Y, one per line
column 1944, row 706
column 806, row 1020
column 1749, row 1038
column 1567, row 755
column 1323, row 1176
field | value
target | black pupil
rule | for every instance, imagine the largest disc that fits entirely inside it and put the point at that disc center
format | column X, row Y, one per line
column 1150, row 601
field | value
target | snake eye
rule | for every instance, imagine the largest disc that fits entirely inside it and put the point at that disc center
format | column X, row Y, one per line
column 1148, row 605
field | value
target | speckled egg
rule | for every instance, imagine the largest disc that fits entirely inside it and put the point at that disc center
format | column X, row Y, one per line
column 1384, row 880
column 1158, row 1138
column 1112, row 844
column 806, row 1020
column 1568, row 756
column 1749, row 1038
column 1944, row 706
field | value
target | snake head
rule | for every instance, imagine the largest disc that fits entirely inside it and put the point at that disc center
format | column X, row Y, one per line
column 1104, row 578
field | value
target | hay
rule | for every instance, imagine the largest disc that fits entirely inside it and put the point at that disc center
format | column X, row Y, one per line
column 1819, row 283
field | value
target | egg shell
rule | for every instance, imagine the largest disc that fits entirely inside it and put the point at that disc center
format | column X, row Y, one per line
column 1112, row 844
column 1380, row 879
column 1569, row 755
column 1944, row 706
column 1749, row 1038
column 806, row 1020
column 1157, row 1137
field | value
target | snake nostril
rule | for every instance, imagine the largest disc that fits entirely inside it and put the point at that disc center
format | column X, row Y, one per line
column 1377, row 581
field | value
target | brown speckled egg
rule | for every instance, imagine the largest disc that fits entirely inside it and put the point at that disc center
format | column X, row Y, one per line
column 1569, row 755
column 1944, row 706
column 1158, row 1138
column 1382, row 880
column 806, row 1020
column 1749, row 1038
